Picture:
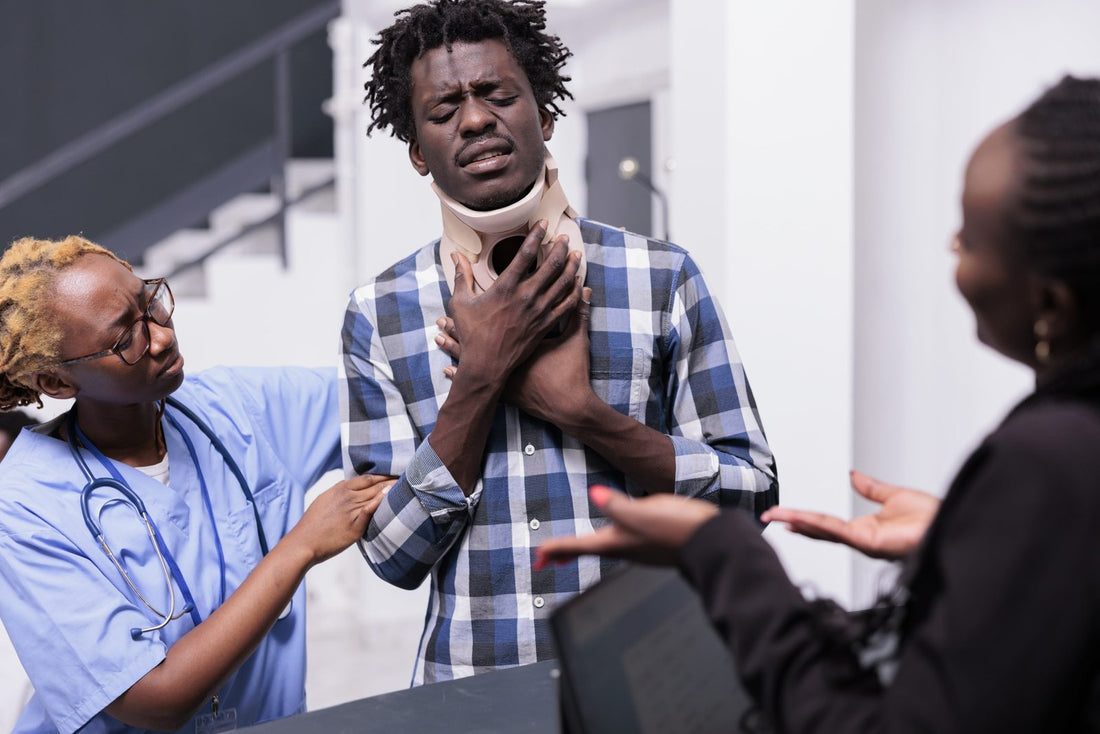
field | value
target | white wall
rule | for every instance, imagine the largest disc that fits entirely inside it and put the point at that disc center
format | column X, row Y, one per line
column 761, row 134
column 932, row 78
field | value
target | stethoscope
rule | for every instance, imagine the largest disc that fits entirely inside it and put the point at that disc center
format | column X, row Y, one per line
column 168, row 564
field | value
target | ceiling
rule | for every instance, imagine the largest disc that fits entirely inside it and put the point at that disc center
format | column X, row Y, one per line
column 565, row 17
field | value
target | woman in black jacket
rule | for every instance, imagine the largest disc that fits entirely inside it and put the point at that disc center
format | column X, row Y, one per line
column 995, row 626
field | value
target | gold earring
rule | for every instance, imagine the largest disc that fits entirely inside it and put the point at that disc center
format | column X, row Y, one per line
column 1042, row 343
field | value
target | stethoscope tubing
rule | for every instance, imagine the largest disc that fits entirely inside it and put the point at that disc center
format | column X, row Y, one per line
column 168, row 563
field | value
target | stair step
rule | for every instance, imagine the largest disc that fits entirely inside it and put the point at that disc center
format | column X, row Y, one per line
column 189, row 283
column 229, row 219
column 241, row 211
column 178, row 247
column 304, row 173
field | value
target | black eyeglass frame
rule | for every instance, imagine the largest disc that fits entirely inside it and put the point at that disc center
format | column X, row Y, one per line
column 146, row 317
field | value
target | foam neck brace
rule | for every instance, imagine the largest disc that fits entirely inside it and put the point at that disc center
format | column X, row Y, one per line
column 475, row 234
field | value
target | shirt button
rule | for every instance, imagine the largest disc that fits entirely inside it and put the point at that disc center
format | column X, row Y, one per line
column 535, row 524
column 528, row 449
column 539, row 602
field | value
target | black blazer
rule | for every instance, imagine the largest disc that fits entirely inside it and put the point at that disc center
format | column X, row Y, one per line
column 1000, row 629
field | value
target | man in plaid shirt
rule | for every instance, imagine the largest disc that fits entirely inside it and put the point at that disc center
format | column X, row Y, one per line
column 641, row 390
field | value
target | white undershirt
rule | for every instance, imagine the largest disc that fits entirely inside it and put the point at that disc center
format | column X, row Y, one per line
column 158, row 471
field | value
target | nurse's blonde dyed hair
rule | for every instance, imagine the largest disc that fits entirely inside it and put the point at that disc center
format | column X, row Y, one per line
column 30, row 330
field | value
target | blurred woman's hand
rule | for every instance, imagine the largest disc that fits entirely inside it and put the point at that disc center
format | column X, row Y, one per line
column 648, row 530
column 892, row 532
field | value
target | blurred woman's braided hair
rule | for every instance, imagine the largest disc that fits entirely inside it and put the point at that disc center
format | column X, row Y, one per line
column 1056, row 215
column 30, row 334
column 422, row 28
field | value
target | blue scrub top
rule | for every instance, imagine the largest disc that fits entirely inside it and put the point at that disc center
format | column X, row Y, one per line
column 66, row 607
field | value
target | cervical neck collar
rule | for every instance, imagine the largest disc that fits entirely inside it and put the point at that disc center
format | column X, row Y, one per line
column 475, row 234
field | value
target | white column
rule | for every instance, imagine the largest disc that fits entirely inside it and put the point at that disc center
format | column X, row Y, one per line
column 761, row 104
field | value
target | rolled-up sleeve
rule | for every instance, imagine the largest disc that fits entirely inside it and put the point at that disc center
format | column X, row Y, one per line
column 426, row 510
column 722, row 453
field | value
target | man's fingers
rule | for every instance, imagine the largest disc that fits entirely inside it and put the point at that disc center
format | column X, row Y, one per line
column 447, row 325
column 584, row 310
column 557, row 273
column 464, row 274
column 451, row 347
column 525, row 259
column 578, row 322
column 567, row 308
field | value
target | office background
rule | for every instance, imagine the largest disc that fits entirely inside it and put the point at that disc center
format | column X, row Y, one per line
column 810, row 153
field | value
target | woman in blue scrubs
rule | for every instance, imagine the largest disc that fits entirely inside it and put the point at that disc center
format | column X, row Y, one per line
column 107, row 638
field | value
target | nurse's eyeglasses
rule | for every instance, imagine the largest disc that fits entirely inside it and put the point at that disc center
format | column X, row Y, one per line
column 134, row 342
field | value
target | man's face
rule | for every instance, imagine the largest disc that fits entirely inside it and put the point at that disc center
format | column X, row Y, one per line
column 479, row 132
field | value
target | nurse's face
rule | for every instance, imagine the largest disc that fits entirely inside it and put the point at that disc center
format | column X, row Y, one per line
column 97, row 300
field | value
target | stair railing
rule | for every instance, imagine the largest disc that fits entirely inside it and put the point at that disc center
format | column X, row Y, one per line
column 276, row 44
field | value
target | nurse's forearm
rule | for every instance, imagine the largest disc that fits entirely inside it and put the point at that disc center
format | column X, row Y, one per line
column 170, row 694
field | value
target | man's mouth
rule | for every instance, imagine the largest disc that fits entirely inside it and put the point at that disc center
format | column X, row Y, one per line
column 483, row 150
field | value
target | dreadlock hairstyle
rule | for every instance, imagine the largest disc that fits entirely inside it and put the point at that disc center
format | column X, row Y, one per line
column 30, row 335
column 520, row 24
column 1056, row 215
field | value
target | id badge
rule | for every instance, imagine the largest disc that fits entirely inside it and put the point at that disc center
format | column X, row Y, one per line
column 224, row 720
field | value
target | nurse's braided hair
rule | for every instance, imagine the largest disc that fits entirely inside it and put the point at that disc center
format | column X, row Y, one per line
column 30, row 335
column 1056, row 216
column 520, row 24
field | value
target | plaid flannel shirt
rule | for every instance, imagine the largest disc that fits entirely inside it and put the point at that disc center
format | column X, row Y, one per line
column 660, row 352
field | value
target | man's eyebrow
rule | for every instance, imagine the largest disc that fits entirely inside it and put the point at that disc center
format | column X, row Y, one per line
column 455, row 92
column 488, row 85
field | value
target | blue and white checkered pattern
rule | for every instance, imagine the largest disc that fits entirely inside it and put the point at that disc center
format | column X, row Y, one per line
column 661, row 353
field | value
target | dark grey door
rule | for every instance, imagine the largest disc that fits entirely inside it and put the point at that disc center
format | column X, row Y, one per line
column 616, row 133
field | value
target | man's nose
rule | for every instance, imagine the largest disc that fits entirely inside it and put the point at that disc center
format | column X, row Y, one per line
column 475, row 117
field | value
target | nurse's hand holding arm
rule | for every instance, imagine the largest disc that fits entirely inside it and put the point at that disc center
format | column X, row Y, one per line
column 193, row 668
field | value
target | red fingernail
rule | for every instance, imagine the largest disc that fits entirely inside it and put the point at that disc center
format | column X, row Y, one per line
column 599, row 494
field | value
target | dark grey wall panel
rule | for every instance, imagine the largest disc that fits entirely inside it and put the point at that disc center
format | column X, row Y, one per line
column 67, row 67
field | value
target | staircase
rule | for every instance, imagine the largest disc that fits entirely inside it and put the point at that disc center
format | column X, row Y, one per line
column 240, row 305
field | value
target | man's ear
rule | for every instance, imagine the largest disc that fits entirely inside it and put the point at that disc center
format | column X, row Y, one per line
column 54, row 385
column 547, row 120
column 416, row 157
